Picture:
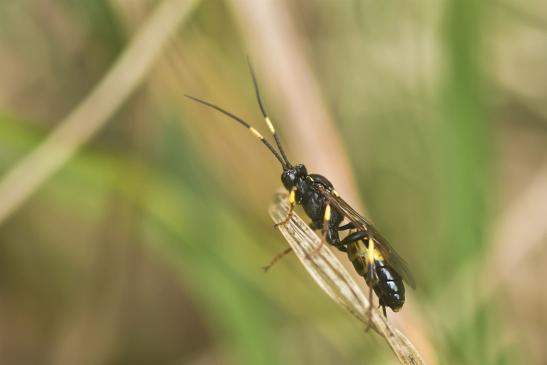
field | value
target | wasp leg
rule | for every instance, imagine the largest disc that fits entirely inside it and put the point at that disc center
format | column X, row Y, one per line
column 342, row 248
column 276, row 258
column 372, row 277
column 316, row 225
column 332, row 234
column 324, row 230
column 370, row 305
column 345, row 227
column 371, row 280
column 333, row 237
column 292, row 202
column 353, row 237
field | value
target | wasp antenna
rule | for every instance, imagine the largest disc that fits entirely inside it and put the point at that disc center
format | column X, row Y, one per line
column 256, row 133
column 266, row 118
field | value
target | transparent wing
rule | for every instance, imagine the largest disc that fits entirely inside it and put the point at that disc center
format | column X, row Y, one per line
column 389, row 253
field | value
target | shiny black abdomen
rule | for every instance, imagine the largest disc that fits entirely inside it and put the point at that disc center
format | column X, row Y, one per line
column 389, row 288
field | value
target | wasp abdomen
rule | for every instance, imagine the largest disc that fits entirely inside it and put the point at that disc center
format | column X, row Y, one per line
column 389, row 288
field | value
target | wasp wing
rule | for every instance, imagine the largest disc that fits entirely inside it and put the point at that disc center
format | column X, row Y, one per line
column 389, row 253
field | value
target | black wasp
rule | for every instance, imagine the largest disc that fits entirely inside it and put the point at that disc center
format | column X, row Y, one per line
column 371, row 254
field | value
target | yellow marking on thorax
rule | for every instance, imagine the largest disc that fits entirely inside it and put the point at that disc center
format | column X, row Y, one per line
column 270, row 125
column 256, row 133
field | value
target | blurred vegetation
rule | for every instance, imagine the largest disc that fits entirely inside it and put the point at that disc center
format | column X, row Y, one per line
column 146, row 247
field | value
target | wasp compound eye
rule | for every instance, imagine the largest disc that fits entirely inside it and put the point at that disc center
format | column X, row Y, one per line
column 289, row 178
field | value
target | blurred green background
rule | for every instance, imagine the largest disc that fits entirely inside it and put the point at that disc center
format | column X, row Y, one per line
column 146, row 247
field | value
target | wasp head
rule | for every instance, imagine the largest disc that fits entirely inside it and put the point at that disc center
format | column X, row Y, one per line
column 292, row 175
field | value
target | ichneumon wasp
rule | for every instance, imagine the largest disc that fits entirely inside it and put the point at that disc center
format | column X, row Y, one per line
column 371, row 254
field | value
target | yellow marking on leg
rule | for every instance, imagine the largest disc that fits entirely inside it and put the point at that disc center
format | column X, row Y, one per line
column 292, row 202
column 270, row 125
column 371, row 257
column 276, row 258
column 326, row 220
column 256, row 133
column 371, row 252
column 292, row 197
column 327, row 215
column 335, row 193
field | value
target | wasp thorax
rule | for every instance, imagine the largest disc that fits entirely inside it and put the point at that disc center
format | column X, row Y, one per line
column 292, row 175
